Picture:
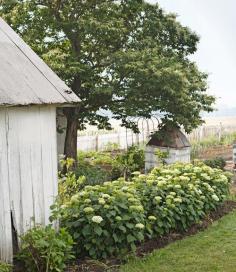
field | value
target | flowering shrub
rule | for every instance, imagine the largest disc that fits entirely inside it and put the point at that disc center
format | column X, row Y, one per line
column 180, row 195
column 109, row 219
column 105, row 219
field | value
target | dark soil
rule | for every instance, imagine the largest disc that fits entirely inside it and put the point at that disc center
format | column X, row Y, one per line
column 153, row 244
column 224, row 151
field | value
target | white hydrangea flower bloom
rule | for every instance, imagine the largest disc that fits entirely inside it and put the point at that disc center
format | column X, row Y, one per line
column 101, row 201
column 161, row 183
column 74, row 198
column 205, row 176
column 136, row 208
column 106, row 196
column 183, row 178
column 158, row 198
column 152, row 218
column 97, row 219
column 215, row 197
column 139, row 226
column 210, row 189
column 88, row 210
column 124, row 188
column 178, row 200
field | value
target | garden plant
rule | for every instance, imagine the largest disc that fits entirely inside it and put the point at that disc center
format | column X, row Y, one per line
column 4, row 267
column 45, row 250
column 110, row 219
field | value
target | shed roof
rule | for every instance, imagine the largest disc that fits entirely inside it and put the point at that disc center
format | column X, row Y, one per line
column 25, row 79
column 173, row 138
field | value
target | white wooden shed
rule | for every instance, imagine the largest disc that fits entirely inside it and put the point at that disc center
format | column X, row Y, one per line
column 30, row 92
column 171, row 140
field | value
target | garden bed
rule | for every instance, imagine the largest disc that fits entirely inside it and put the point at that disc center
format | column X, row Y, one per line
column 153, row 244
column 224, row 151
column 122, row 218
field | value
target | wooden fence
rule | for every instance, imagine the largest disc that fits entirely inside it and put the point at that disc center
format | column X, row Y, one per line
column 122, row 138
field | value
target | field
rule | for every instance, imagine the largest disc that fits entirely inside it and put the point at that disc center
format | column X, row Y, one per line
column 225, row 121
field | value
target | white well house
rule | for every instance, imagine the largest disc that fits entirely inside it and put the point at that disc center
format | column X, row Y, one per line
column 30, row 93
column 174, row 142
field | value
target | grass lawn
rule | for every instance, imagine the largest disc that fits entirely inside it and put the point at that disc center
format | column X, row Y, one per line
column 213, row 250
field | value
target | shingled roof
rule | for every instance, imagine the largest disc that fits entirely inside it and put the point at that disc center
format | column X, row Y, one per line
column 173, row 138
column 24, row 78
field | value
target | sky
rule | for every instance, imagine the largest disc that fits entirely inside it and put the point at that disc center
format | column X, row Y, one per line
column 215, row 22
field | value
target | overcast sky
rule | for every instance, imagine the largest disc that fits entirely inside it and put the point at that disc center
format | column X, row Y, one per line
column 215, row 22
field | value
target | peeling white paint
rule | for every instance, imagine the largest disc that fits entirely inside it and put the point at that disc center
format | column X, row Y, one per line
column 28, row 170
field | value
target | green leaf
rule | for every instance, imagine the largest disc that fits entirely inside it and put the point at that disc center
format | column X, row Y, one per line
column 98, row 230
column 122, row 228
column 130, row 238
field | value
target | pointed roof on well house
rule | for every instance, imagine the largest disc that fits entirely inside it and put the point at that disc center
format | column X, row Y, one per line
column 169, row 137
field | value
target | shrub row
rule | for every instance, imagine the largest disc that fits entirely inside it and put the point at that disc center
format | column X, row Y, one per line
column 110, row 219
column 217, row 162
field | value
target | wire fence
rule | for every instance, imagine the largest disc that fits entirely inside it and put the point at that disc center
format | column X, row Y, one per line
column 98, row 140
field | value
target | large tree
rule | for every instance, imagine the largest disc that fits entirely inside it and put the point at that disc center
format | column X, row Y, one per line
column 127, row 57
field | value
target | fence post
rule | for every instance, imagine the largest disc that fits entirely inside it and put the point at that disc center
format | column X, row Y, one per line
column 137, row 138
column 96, row 142
column 118, row 138
column 126, row 136
column 220, row 131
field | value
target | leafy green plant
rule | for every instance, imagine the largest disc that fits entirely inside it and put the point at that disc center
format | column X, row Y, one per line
column 130, row 161
column 93, row 166
column 161, row 156
column 95, row 158
column 112, row 146
column 69, row 184
column 45, row 250
column 217, row 162
column 109, row 219
column 98, row 167
column 4, row 267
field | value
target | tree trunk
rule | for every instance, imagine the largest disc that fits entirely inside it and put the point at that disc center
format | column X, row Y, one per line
column 70, row 149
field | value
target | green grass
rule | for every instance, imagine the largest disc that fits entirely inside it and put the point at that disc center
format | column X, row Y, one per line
column 213, row 250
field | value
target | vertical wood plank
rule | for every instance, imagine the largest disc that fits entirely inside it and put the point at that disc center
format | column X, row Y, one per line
column 28, row 170
column 49, row 156
column 5, row 216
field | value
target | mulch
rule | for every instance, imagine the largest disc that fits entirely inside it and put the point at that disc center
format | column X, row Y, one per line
column 153, row 244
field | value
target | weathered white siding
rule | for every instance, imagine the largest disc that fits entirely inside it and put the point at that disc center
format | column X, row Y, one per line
column 175, row 155
column 28, row 170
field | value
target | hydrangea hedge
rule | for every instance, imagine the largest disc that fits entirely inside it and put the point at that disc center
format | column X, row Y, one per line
column 110, row 219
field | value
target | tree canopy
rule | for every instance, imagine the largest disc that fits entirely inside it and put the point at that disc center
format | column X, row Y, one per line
column 127, row 57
